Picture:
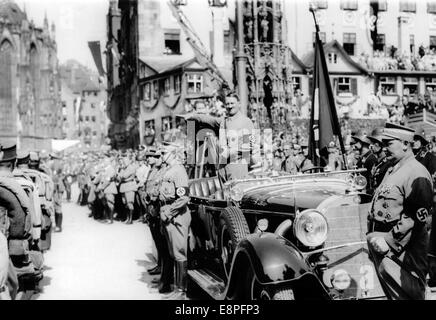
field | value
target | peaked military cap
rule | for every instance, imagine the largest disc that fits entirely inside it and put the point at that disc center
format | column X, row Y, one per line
column 8, row 153
column 421, row 138
column 362, row 139
column 23, row 157
column 397, row 132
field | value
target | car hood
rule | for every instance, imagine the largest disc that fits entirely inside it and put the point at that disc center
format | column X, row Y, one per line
column 285, row 198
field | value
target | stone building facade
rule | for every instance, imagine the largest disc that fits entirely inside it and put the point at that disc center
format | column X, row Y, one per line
column 30, row 107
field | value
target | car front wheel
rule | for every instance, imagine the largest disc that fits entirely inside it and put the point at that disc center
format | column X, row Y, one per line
column 234, row 228
column 257, row 291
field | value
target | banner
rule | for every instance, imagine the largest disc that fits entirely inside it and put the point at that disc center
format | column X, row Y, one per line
column 94, row 46
column 324, row 123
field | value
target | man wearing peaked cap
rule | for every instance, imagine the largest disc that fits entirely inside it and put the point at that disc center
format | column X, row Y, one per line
column 23, row 157
column 398, row 218
column 383, row 162
column 8, row 153
column 367, row 160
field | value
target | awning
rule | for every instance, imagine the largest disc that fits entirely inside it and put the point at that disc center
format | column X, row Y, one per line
column 60, row 145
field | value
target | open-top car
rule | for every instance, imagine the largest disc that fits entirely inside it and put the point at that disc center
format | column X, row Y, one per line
column 287, row 237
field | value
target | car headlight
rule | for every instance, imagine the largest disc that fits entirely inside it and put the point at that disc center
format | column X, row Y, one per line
column 360, row 182
column 236, row 194
column 311, row 228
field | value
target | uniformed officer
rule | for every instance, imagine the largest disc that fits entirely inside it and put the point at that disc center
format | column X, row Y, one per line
column 237, row 139
column 142, row 171
column 381, row 167
column 367, row 159
column 428, row 160
column 15, row 201
column 423, row 155
column 108, row 187
column 398, row 237
column 176, row 217
column 334, row 160
column 128, row 186
column 56, row 168
column 306, row 163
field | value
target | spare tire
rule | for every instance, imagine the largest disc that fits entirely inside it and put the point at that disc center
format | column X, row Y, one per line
column 233, row 229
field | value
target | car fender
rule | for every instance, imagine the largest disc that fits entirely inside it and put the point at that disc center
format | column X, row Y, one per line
column 273, row 258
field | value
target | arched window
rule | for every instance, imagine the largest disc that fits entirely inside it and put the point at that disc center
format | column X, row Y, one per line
column 6, row 112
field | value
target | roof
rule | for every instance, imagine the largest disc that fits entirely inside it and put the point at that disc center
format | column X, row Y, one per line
column 308, row 59
column 298, row 62
column 11, row 11
column 167, row 63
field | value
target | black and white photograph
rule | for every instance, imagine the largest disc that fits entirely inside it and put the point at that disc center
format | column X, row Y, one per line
column 195, row 151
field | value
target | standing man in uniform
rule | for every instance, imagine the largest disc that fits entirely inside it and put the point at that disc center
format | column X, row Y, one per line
column 381, row 167
column 237, row 140
column 142, row 173
column 128, row 186
column 165, row 265
column 398, row 236
column 428, row 160
column 109, row 189
column 176, row 217
column 367, row 159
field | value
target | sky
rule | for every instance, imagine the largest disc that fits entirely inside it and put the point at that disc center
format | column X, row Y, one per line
column 77, row 22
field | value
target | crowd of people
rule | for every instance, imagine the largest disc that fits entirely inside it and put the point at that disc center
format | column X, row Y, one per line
column 31, row 193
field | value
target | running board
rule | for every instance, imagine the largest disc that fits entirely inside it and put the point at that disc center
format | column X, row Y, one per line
column 210, row 283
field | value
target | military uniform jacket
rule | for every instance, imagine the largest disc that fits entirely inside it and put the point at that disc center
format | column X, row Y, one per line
column 153, row 182
column 14, row 199
column 428, row 160
column 127, row 176
column 107, row 182
column 368, row 161
column 404, row 201
column 174, row 190
column 378, row 172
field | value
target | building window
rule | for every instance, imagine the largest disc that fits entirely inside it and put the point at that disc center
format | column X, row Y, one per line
column 407, row 6
column 296, row 83
column 382, row 5
column 195, row 83
column 412, row 44
column 172, row 41
column 95, row 93
column 349, row 43
column 333, row 57
column 387, row 85
column 93, row 118
column 177, row 84
column 321, row 37
column 410, row 86
column 94, row 133
column 147, row 91
column 86, row 118
column 431, row 6
column 432, row 42
column 380, row 42
column 345, row 86
column 349, row 4
column 92, row 105
column 430, row 85
column 167, row 86
column 155, row 90
column 318, row 4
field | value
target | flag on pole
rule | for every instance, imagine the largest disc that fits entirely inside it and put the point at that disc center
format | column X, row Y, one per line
column 324, row 123
column 94, row 46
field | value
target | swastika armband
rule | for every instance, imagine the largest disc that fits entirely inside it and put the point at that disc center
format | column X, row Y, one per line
column 182, row 192
column 422, row 214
